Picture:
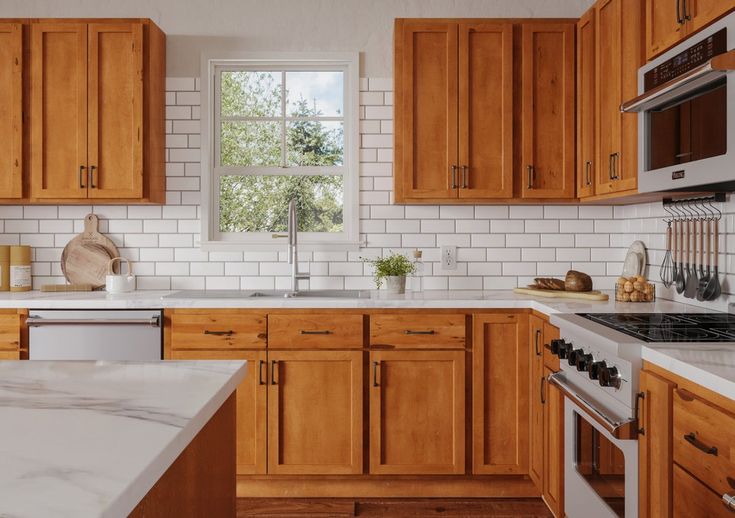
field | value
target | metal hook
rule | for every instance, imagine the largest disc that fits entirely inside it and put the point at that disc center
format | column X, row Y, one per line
column 675, row 207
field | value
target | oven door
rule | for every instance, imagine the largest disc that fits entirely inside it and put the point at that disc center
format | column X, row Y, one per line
column 600, row 471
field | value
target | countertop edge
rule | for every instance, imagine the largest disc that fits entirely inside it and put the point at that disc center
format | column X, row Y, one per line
column 126, row 502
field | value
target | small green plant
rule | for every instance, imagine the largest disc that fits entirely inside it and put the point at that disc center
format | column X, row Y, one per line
column 395, row 265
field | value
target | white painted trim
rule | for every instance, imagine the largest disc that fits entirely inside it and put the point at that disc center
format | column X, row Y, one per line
column 349, row 239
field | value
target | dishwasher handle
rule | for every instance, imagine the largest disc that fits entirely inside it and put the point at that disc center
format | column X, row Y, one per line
column 38, row 321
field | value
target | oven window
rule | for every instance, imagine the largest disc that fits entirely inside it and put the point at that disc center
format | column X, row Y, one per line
column 601, row 464
column 691, row 129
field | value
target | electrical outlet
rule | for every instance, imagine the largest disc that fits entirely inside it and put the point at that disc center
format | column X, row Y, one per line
column 449, row 257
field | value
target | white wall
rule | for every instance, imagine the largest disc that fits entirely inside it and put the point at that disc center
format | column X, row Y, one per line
column 286, row 25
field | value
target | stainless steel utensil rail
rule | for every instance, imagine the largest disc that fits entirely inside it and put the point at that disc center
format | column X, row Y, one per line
column 37, row 322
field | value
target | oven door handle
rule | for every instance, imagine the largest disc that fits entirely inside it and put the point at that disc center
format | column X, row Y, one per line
column 33, row 321
column 623, row 430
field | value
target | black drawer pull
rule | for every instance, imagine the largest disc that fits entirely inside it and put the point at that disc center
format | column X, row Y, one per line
column 260, row 373
column 325, row 332
column 273, row 372
column 691, row 438
column 543, row 390
column 411, row 332
column 375, row 374
column 219, row 333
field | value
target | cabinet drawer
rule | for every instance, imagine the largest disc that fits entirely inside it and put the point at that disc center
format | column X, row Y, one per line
column 704, row 441
column 322, row 330
column 10, row 332
column 418, row 331
column 218, row 330
column 692, row 498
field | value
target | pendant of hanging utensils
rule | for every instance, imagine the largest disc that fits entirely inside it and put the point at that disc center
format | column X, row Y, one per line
column 691, row 260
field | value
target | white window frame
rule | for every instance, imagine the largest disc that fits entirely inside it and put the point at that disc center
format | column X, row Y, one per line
column 211, row 237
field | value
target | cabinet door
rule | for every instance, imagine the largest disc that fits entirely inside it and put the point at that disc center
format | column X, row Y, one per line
column 315, row 413
column 692, row 498
column 500, row 384
column 426, row 74
column 703, row 12
column 547, row 131
column 115, row 115
column 417, row 412
column 553, row 486
column 655, row 446
column 633, row 57
column 536, row 351
column 250, row 406
column 485, row 110
column 11, row 110
column 58, row 110
column 586, row 105
column 664, row 25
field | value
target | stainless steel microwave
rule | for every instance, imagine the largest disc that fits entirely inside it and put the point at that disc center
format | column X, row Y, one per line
column 686, row 106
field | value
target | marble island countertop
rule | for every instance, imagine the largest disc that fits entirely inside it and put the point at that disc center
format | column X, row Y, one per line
column 91, row 438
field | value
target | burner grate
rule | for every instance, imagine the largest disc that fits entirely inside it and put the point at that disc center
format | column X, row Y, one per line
column 670, row 327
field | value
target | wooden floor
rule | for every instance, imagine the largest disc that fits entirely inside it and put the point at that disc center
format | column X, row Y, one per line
column 397, row 507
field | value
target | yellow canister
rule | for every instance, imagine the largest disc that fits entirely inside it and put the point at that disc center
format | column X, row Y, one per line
column 4, row 267
column 20, row 268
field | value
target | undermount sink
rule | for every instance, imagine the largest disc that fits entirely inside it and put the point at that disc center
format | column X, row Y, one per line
column 245, row 294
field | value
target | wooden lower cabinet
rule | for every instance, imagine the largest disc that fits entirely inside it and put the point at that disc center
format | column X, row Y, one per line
column 417, row 412
column 553, row 479
column 500, row 386
column 250, row 406
column 536, row 351
column 12, row 333
column 315, row 412
column 694, row 499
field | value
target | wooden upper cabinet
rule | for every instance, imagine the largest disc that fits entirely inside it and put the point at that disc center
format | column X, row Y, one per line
column 115, row 110
column 500, row 382
column 58, row 110
column 548, row 108
column 417, row 412
column 315, row 412
column 485, row 110
column 97, row 102
column 426, row 68
column 702, row 12
column 11, row 110
column 586, row 131
column 619, row 55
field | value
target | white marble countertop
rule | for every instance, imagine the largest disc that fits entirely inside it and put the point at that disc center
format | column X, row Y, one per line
column 89, row 439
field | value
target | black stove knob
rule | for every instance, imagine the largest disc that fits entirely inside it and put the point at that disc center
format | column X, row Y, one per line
column 555, row 345
column 594, row 369
column 564, row 350
column 583, row 361
column 610, row 377
column 573, row 355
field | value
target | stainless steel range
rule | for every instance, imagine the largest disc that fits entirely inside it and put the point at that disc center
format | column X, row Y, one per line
column 600, row 357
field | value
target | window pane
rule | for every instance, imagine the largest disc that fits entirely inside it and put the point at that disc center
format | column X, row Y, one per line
column 251, row 143
column 251, row 94
column 260, row 203
column 314, row 93
column 315, row 143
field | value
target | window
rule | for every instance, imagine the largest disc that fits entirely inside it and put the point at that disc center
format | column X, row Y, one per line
column 280, row 129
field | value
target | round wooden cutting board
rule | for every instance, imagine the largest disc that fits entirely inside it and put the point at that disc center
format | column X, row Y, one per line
column 85, row 258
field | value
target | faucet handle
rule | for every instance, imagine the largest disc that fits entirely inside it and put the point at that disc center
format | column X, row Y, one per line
column 278, row 236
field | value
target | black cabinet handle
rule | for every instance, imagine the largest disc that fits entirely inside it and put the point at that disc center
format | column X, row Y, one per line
column 81, row 177
column 691, row 438
column 536, row 341
column 325, row 332
column 91, row 177
column 219, row 333
column 687, row 14
column 454, row 176
column 587, row 175
column 679, row 18
column 273, row 372
column 640, row 396
column 375, row 374
column 260, row 373
column 543, row 390
column 465, row 176
column 412, row 332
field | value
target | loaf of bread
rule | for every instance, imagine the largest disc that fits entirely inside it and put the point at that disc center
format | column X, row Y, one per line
column 577, row 281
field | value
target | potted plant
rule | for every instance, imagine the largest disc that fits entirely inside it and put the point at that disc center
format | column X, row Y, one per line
column 393, row 269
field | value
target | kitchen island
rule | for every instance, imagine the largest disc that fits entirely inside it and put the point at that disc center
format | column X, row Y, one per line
column 102, row 439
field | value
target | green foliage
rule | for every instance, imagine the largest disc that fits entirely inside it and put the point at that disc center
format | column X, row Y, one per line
column 395, row 265
column 250, row 203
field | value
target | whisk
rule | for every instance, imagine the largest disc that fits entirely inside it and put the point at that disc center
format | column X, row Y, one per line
column 667, row 266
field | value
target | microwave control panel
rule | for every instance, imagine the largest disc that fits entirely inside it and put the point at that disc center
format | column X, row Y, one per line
column 687, row 60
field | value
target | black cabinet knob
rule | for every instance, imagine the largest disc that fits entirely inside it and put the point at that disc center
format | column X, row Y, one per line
column 594, row 369
column 583, row 361
column 610, row 377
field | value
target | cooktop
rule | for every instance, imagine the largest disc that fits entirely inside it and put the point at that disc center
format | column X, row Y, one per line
column 670, row 327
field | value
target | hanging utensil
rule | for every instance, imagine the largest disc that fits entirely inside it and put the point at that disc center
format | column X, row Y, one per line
column 692, row 282
column 680, row 279
column 713, row 289
column 705, row 277
column 667, row 276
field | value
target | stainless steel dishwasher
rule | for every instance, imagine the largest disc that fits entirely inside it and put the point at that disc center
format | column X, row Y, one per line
column 115, row 335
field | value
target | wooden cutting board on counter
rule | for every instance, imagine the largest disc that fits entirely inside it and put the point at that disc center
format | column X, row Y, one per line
column 558, row 294
column 85, row 258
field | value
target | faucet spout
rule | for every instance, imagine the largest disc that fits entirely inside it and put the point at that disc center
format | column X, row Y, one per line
column 293, row 256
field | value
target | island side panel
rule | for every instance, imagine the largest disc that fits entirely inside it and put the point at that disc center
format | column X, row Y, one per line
column 201, row 481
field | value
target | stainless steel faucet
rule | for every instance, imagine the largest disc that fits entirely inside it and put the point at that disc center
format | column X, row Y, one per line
column 293, row 254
